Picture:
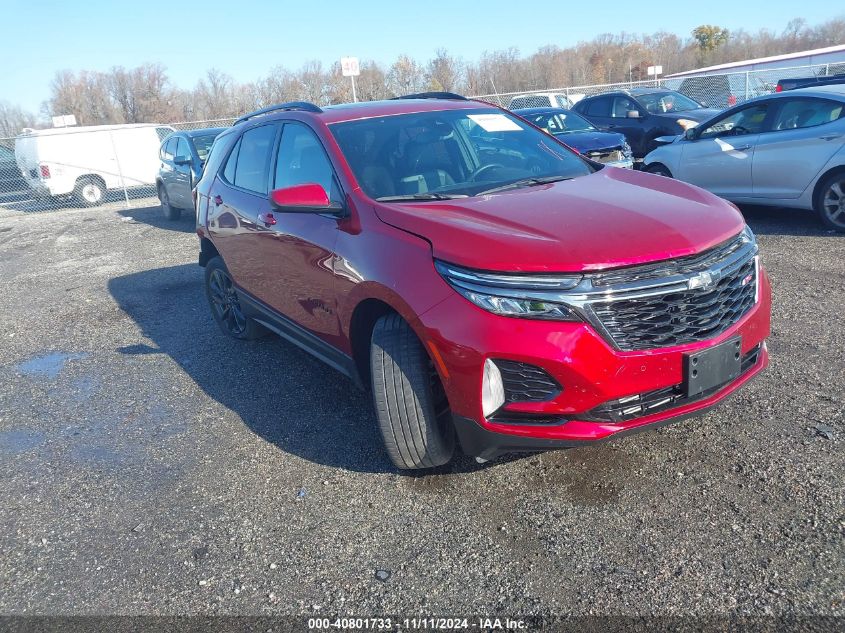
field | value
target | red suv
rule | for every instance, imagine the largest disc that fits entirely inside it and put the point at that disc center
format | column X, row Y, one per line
column 510, row 295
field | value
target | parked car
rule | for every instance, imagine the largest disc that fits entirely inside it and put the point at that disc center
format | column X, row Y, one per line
column 11, row 179
column 85, row 162
column 544, row 100
column 723, row 91
column 786, row 150
column 182, row 156
column 792, row 83
column 604, row 147
column 510, row 308
column 643, row 114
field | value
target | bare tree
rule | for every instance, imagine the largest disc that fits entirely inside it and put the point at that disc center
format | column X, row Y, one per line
column 445, row 72
column 13, row 119
column 405, row 77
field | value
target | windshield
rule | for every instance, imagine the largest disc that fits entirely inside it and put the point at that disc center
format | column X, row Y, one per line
column 432, row 155
column 662, row 102
column 559, row 122
column 203, row 144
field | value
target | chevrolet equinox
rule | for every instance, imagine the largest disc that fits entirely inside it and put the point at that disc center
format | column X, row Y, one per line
column 510, row 296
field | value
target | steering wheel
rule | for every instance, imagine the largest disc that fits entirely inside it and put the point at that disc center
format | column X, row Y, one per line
column 738, row 130
column 484, row 168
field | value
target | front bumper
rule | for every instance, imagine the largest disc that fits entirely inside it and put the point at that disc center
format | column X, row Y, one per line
column 591, row 372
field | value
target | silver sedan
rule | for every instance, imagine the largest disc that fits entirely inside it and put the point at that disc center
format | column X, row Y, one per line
column 786, row 149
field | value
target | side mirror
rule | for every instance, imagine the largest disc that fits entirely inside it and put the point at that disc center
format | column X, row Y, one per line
column 182, row 160
column 690, row 134
column 633, row 114
column 306, row 198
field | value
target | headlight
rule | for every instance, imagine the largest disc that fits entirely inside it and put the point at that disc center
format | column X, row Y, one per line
column 626, row 150
column 747, row 235
column 513, row 295
column 687, row 123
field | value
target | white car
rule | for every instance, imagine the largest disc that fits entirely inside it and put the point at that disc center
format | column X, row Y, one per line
column 786, row 149
column 85, row 162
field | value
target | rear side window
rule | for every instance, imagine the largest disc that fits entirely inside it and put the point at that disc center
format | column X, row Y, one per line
column 249, row 162
column 598, row 107
column 169, row 149
column 800, row 113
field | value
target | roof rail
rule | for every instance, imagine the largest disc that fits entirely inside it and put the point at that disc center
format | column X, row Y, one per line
column 434, row 95
column 290, row 105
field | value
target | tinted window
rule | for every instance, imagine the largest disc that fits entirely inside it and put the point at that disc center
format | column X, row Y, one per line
column 661, row 102
column 798, row 113
column 622, row 106
column 182, row 149
column 302, row 159
column 253, row 159
column 598, row 107
column 451, row 152
column 169, row 150
column 231, row 164
column 202, row 144
column 746, row 121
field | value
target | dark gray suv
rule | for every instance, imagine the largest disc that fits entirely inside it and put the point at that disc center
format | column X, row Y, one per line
column 182, row 158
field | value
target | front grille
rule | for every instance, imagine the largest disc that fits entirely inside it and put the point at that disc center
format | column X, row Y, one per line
column 677, row 317
column 526, row 383
column 606, row 156
column 650, row 402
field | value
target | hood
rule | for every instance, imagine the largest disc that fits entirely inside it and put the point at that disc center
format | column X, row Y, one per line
column 613, row 217
column 592, row 140
column 700, row 115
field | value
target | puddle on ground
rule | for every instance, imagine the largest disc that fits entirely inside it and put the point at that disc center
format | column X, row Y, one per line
column 15, row 441
column 49, row 365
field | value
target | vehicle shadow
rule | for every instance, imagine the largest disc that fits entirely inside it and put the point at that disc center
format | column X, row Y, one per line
column 781, row 221
column 280, row 392
column 154, row 216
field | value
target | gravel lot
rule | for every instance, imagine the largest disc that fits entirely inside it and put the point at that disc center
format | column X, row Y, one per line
column 149, row 465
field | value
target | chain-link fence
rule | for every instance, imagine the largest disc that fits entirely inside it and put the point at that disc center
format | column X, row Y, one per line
column 715, row 90
column 118, row 164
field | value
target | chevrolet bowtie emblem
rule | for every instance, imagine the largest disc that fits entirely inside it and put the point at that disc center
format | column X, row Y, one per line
column 701, row 280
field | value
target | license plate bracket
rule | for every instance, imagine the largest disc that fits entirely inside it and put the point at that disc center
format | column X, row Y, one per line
column 712, row 367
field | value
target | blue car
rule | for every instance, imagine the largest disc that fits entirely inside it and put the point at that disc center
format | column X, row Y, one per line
column 609, row 148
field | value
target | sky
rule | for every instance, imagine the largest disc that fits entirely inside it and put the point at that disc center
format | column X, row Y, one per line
column 246, row 39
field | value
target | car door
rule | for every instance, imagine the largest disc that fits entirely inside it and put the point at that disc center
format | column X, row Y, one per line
column 597, row 111
column 181, row 188
column 166, row 170
column 719, row 158
column 805, row 133
column 237, row 196
column 631, row 127
column 298, row 250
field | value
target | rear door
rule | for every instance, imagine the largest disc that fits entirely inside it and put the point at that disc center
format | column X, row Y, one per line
column 166, row 168
column 805, row 133
column 720, row 157
column 181, row 190
column 236, row 198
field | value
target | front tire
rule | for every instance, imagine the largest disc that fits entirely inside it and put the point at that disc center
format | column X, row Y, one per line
column 170, row 212
column 830, row 202
column 225, row 304
column 411, row 408
column 89, row 192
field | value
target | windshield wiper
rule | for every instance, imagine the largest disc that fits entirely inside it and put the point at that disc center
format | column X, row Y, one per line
column 422, row 196
column 525, row 182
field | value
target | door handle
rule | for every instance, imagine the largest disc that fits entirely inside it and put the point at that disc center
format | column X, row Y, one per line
column 218, row 200
column 830, row 137
column 741, row 149
column 267, row 219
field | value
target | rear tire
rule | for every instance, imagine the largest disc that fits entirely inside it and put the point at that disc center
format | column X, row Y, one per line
column 411, row 407
column 830, row 201
column 170, row 212
column 89, row 192
column 659, row 170
column 225, row 304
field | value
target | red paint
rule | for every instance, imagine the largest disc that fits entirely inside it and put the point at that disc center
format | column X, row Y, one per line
column 316, row 270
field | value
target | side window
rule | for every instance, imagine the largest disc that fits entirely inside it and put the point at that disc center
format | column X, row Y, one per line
column 302, row 159
column 599, row 107
column 746, row 121
column 253, row 159
column 182, row 148
column 169, row 150
column 621, row 107
column 231, row 164
column 799, row 113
